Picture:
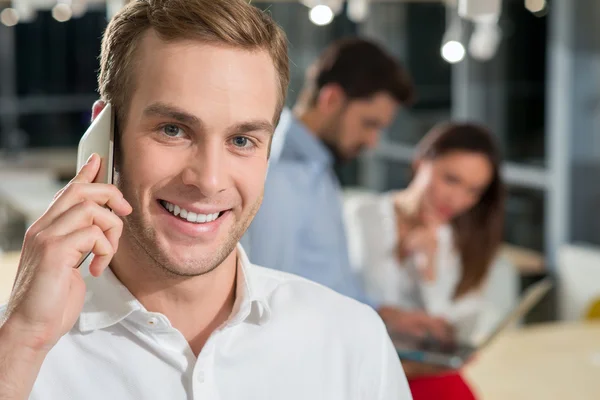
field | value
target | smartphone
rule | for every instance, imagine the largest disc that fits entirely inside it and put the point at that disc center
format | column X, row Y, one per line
column 99, row 138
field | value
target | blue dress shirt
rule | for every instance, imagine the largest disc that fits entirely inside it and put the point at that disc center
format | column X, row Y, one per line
column 299, row 228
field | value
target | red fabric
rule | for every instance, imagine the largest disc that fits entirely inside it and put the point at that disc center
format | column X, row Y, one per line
column 443, row 387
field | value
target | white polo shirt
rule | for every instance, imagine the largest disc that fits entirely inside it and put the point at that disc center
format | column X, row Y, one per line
column 288, row 339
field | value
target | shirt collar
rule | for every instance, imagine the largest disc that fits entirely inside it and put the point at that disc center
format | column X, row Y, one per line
column 300, row 141
column 108, row 301
column 251, row 303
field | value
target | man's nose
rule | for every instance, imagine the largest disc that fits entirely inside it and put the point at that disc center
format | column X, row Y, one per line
column 207, row 169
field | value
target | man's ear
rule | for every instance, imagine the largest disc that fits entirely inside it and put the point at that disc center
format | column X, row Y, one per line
column 331, row 98
column 97, row 108
column 416, row 164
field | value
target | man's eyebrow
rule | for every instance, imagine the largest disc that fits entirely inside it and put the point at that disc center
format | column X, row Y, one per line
column 171, row 112
column 175, row 113
column 252, row 126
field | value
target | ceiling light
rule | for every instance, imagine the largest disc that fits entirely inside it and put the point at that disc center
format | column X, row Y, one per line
column 25, row 10
column 536, row 6
column 358, row 10
column 9, row 17
column 473, row 9
column 485, row 40
column 453, row 51
column 321, row 15
column 62, row 12
column 78, row 8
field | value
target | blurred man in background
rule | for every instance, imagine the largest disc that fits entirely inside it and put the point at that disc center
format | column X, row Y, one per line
column 351, row 93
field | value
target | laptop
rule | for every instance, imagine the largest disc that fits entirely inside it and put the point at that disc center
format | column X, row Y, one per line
column 455, row 355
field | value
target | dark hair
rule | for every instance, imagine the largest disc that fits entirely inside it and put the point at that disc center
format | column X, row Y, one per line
column 478, row 232
column 362, row 69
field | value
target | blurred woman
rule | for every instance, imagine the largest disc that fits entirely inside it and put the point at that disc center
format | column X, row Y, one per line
column 428, row 248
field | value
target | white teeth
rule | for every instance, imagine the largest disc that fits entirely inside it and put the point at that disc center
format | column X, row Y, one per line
column 188, row 215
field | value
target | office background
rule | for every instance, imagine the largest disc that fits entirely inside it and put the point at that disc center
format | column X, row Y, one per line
column 48, row 82
column 536, row 86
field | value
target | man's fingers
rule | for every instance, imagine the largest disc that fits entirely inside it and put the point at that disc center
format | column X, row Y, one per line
column 92, row 239
column 85, row 214
column 89, row 171
column 424, row 325
column 75, row 193
column 441, row 329
column 101, row 193
column 439, row 332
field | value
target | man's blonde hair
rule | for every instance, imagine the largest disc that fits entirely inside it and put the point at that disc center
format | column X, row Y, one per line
column 233, row 23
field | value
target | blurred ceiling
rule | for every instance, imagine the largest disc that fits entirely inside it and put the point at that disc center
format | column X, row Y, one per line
column 51, row 3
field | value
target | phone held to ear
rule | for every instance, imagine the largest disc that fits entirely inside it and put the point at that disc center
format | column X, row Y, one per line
column 99, row 139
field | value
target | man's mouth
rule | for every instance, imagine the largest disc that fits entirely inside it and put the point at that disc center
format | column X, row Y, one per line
column 190, row 216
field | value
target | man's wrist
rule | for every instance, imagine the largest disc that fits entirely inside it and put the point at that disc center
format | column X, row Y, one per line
column 27, row 346
column 20, row 363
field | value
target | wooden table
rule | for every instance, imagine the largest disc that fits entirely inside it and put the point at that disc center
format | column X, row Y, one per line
column 9, row 263
column 527, row 261
column 550, row 362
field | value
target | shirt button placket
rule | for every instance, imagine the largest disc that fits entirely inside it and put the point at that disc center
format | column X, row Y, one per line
column 201, row 389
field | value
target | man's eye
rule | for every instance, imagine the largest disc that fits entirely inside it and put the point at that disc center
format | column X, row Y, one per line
column 171, row 130
column 240, row 141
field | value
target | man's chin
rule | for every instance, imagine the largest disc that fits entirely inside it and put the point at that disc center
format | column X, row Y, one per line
column 344, row 160
column 186, row 264
column 189, row 257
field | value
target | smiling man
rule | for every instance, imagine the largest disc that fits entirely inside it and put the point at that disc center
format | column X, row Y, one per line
column 173, row 308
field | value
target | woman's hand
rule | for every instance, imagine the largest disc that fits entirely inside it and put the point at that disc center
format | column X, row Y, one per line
column 418, row 239
column 421, row 243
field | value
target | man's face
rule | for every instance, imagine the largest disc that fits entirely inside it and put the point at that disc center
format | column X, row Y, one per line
column 194, row 151
column 357, row 125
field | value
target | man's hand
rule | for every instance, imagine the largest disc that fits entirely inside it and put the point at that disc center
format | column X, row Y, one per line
column 417, row 324
column 414, row 369
column 49, row 291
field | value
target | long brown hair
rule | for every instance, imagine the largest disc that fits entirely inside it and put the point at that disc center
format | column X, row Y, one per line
column 477, row 232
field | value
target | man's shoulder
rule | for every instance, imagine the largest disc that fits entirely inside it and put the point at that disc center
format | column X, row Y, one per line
column 300, row 300
column 292, row 170
column 289, row 182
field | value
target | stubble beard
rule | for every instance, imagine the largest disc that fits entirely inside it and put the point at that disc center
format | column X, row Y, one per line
column 149, row 255
column 331, row 136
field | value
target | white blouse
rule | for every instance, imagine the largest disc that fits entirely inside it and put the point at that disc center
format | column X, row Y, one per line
column 372, row 237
